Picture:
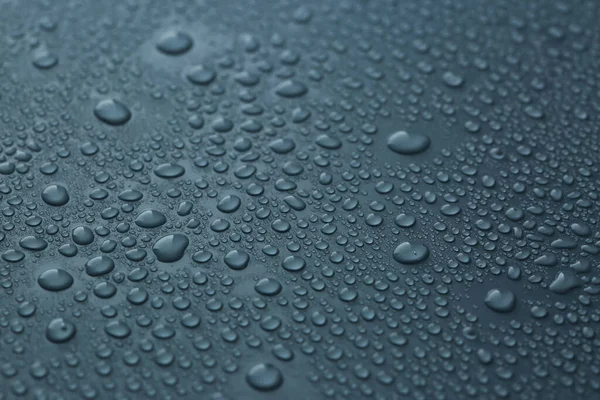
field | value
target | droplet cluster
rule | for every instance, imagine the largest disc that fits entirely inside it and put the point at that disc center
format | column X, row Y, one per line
column 300, row 200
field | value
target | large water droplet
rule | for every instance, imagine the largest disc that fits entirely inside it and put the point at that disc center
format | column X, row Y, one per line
column 411, row 253
column 174, row 42
column 55, row 195
column 290, row 89
column 150, row 219
column 201, row 75
column 268, row 287
column 229, row 204
column 112, row 112
column 117, row 329
column 237, row 259
column 264, row 377
column 501, row 300
column 33, row 243
column 408, row 143
column 82, row 235
column 55, row 279
column 60, row 330
column 293, row 264
column 99, row 266
column 169, row 170
column 44, row 60
column 170, row 248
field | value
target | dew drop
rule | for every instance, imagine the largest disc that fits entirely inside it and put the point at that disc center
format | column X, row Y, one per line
column 112, row 112
column 408, row 143
column 55, row 279
column 264, row 377
column 411, row 253
column 60, row 330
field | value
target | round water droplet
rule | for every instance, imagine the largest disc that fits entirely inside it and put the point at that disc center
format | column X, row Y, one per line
column 264, row 377
column 408, row 143
column 130, row 195
column 82, row 235
column 268, row 287
column 33, row 243
column 117, row 329
column 282, row 146
column 411, row 253
column 237, row 259
column 169, row 171
column 501, row 300
column 201, row 75
column 170, row 248
column 293, row 264
column 45, row 60
column 150, row 219
column 55, row 279
column 55, row 195
column 174, row 42
column 229, row 204
column 112, row 112
column 60, row 330
column 291, row 89
column 452, row 80
column 99, row 266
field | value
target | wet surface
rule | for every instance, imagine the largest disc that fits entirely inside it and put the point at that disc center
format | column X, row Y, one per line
column 299, row 200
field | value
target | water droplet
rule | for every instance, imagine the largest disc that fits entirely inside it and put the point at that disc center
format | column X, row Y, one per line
column 60, row 330
column 55, row 279
column 408, row 143
column 99, row 266
column 117, row 329
column 170, row 248
column 112, row 112
column 55, row 195
column 264, row 377
column 150, row 219
column 44, row 60
column 268, row 287
column 411, row 253
column 291, row 89
column 501, row 300
column 293, row 264
column 174, row 42
column 237, row 259
column 169, row 170
column 201, row 75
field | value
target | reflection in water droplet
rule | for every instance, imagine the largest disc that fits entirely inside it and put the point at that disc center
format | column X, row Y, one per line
column 55, row 279
column 112, row 112
column 150, row 219
column 201, row 75
column 45, row 60
column 268, row 287
column 408, row 143
column 33, row 243
column 55, row 195
column 174, row 42
column 293, row 264
column 291, row 89
column 99, row 266
column 501, row 300
column 170, row 248
column 229, row 204
column 237, row 259
column 117, row 329
column 411, row 253
column 264, row 377
column 169, row 170
column 60, row 330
